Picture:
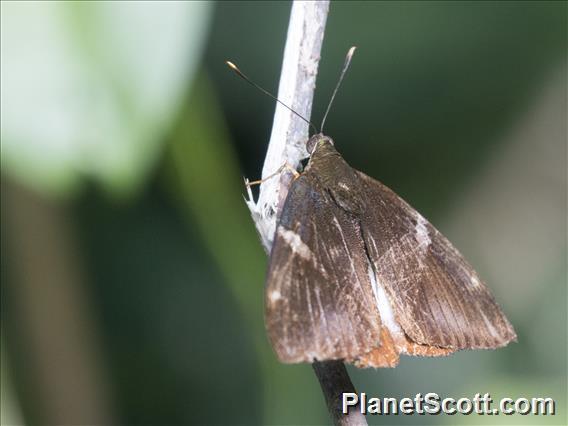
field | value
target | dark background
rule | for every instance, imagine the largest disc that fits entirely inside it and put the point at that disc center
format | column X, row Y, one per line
column 132, row 275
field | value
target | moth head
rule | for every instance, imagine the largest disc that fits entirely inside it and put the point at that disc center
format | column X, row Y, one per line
column 316, row 141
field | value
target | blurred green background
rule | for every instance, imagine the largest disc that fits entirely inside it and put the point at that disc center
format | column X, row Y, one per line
column 132, row 276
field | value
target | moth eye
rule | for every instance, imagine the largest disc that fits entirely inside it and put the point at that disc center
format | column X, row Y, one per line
column 317, row 141
column 311, row 144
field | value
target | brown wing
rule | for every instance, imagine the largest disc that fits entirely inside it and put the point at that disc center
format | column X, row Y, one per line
column 319, row 301
column 437, row 297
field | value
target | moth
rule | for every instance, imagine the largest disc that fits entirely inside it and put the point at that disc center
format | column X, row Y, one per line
column 357, row 274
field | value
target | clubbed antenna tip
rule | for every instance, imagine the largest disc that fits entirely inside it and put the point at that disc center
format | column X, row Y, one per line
column 348, row 58
column 266, row 92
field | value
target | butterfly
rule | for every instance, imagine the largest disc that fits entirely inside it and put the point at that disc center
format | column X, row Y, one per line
column 357, row 274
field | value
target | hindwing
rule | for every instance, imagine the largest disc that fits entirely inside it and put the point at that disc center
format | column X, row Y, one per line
column 437, row 297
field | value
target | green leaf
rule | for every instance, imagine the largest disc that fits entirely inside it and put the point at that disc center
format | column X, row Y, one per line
column 89, row 89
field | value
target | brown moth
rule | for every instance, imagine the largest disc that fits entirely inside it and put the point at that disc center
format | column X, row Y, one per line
column 357, row 274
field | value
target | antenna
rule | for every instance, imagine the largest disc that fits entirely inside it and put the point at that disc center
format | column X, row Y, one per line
column 266, row 92
column 343, row 71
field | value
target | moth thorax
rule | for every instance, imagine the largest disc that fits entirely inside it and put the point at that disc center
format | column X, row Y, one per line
column 317, row 140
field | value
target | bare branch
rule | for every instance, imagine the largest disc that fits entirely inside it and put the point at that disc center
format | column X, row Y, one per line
column 290, row 133
column 335, row 381
column 288, row 146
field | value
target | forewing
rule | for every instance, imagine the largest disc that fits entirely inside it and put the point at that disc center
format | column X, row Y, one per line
column 319, row 301
column 437, row 297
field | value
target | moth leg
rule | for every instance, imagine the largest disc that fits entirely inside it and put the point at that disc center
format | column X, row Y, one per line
column 285, row 166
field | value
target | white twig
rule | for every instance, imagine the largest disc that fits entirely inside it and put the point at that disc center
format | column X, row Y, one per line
column 289, row 132
column 288, row 145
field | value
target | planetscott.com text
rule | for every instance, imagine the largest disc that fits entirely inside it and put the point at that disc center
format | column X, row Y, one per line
column 432, row 403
